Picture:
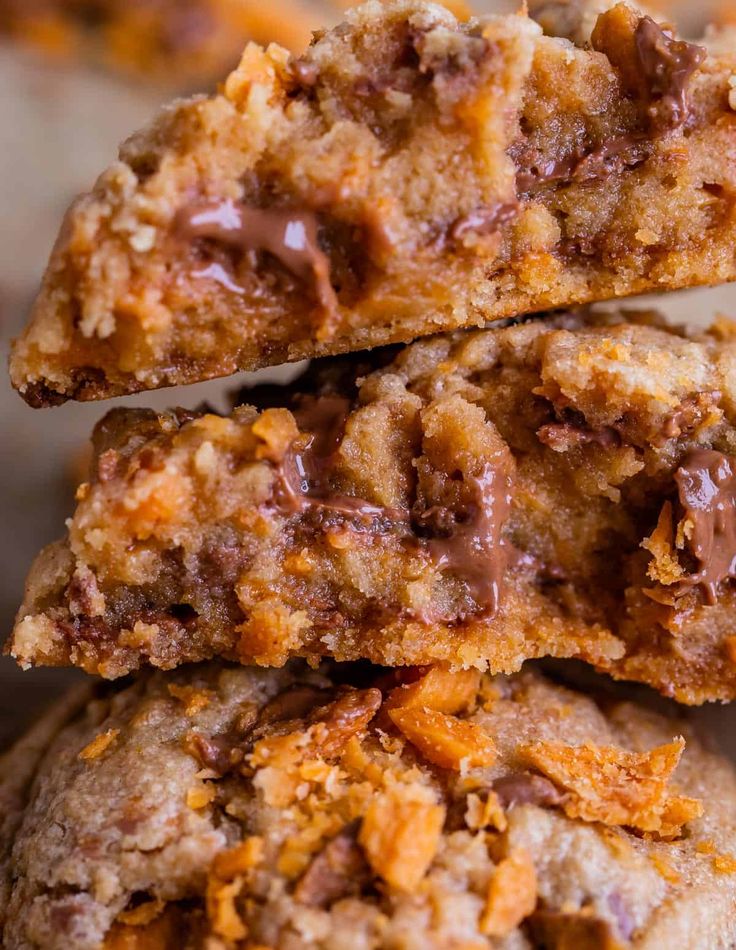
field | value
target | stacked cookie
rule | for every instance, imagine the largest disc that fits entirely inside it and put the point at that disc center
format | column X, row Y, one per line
column 325, row 598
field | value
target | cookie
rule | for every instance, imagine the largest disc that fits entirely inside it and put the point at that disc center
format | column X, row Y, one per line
column 409, row 174
column 477, row 500
column 354, row 807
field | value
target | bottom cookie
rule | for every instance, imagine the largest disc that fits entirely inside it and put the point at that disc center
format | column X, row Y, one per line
column 353, row 807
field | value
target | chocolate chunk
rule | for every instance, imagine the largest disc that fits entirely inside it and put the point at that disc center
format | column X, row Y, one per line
column 338, row 871
column 664, row 66
column 611, row 157
column 289, row 235
column 624, row 921
column 560, row 930
column 220, row 754
column 473, row 547
column 667, row 65
column 107, row 465
column 706, row 485
column 689, row 415
column 296, row 702
column 527, row 788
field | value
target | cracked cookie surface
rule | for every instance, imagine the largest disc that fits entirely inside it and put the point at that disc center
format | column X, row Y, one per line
column 353, row 807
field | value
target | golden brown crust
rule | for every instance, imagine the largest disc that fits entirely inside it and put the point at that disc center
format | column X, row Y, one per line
column 479, row 500
column 407, row 175
column 219, row 816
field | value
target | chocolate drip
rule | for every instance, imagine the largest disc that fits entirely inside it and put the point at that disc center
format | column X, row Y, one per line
column 706, row 485
column 468, row 539
column 304, row 472
column 289, row 235
column 667, row 65
column 474, row 548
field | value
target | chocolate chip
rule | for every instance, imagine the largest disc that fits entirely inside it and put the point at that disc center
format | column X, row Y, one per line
column 338, row 871
column 527, row 788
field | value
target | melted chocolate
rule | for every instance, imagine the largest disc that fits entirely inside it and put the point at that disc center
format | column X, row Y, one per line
column 622, row 151
column 667, row 65
column 304, row 471
column 473, row 547
column 485, row 220
column 468, row 539
column 706, row 485
column 289, row 235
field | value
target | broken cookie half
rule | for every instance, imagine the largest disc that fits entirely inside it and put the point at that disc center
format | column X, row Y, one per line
column 232, row 807
column 407, row 175
column 565, row 487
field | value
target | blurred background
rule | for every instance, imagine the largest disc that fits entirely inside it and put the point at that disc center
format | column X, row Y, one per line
column 76, row 77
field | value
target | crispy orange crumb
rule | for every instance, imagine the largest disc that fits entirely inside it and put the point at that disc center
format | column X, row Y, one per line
column 706, row 846
column 665, row 869
column 400, row 834
column 194, row 700
column 98, row 745
column 724, row 864
column 445, row 740
column 238, row 860
column 512, row 895
column 142, row 914
column 199, row 796
column 439, row 689
column 485, row 813
column 222, row 911
column 617, row 787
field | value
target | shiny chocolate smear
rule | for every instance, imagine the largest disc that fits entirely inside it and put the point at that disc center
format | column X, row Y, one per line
column 305, row 470
column 289, row 235
column 485, row 220
column 706, row 485
column 667, row 65
column 473, row 547
column 619, row 152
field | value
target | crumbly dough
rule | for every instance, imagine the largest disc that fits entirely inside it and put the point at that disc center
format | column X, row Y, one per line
column 230, row 807
column 408, row 174
column 477, row 499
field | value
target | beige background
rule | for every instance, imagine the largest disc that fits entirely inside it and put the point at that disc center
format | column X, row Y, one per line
column 59, row 126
